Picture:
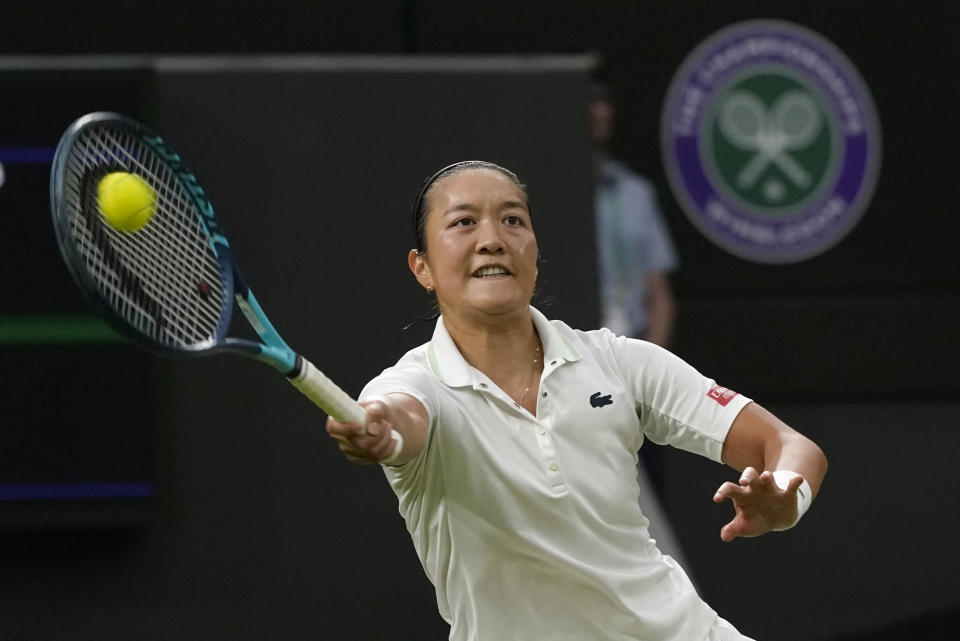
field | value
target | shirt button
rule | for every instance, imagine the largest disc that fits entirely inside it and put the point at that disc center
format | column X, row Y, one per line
column 553, row 362
column 554, row 467
column 540, row 431
column 544, row 394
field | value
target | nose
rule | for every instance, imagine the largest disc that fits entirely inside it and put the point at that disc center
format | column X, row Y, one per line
column 489, row 240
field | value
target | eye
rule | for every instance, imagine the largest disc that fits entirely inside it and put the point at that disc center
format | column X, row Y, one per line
column 513, row 220
column 462, row 222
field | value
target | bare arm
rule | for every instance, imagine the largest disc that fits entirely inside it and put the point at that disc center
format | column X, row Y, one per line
column 399, row 412
column 758, row 444
column 660, row 309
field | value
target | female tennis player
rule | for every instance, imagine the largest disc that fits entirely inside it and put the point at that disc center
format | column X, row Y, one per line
column 517, row 476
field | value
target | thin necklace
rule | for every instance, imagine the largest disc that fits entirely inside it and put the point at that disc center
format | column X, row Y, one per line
column 533, row 369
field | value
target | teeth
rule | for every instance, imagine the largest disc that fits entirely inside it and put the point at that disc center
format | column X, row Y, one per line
column 491, row 271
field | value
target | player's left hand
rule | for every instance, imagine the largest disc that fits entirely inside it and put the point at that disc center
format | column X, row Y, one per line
column 760, row 505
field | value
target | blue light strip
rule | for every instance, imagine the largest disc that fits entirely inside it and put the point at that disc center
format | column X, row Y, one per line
column 26, row 155
column 132, row 490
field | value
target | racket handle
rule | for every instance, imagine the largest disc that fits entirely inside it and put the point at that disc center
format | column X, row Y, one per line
column 315, row 385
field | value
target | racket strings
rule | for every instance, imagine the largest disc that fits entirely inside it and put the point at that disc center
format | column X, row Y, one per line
column 112, row 269
column 185, row 248
column 165, row 279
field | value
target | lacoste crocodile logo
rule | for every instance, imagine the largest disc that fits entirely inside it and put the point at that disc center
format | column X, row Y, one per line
column 599, row 401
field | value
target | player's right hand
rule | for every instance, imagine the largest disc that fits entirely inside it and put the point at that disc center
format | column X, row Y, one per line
column 365, row 446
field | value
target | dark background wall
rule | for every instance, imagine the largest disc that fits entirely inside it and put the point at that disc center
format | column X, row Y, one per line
column 259, row 530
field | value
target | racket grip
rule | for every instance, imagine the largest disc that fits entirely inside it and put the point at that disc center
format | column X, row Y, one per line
column 315, row 385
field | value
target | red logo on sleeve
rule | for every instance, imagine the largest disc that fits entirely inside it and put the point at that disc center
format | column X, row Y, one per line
column 721, row 395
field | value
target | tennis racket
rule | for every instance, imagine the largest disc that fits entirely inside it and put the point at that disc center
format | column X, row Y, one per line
column 170, row 286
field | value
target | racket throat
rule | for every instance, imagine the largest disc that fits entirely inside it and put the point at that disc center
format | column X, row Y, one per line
column 252, row 317
column 299, row 370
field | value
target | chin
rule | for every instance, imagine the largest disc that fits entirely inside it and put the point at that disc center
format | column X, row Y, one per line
column 499, row 306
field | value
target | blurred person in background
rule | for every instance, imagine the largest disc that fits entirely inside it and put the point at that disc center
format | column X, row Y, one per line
column 634, row 248
column 635, row 256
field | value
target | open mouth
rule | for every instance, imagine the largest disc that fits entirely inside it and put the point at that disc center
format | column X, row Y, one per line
column 491, row 271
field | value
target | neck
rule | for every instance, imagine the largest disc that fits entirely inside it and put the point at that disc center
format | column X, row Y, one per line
column 494, row 344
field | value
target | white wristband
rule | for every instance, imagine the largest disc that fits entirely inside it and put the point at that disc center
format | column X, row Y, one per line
column 397, row 448
column 804, row 494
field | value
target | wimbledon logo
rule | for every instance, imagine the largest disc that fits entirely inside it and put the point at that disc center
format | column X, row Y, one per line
column 770, row 141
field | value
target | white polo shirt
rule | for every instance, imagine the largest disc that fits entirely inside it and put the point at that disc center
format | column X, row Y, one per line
column 529, row 526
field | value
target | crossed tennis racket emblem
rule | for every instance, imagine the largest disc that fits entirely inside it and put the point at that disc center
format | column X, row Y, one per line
column 789, row 124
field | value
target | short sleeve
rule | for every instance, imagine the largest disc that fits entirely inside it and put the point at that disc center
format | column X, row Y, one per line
column 676, row 404
column 404, row 380
column 414, row 381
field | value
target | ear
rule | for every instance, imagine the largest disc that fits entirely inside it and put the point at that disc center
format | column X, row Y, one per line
column 421, row 270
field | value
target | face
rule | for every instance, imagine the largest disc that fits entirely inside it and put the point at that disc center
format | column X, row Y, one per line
column 481, row 253
column 601, row 121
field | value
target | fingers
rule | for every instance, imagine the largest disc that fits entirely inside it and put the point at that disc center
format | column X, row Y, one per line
column 793, row 485
column 729, row 532
column 752, row 481
column 760, row 504
column 751, row 478
column 363, row 445
column 727, row 490
column 337, row 430
column 738, row 526
column 376, row 412
column 380, row 441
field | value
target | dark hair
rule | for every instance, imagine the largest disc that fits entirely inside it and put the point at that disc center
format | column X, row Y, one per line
column 420, row 206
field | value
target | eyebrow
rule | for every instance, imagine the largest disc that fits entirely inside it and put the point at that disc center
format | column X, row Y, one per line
column 506, row 204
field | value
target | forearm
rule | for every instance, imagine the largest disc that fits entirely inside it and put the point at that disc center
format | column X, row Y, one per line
column 797, row 453
column 759, row 445
column 760, row 440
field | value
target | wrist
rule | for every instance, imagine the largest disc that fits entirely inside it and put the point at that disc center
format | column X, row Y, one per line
column 804, row 494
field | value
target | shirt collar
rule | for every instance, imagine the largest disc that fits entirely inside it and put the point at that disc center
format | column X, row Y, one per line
column 448, row 364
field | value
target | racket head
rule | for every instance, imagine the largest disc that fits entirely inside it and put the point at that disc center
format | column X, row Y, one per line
column 168, row 286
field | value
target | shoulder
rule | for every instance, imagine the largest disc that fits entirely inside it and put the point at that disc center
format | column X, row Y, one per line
column 588, row 339
column 585, row 341
column 630, row 356
column 600, row 344
column 574, row 339
column 412, row 371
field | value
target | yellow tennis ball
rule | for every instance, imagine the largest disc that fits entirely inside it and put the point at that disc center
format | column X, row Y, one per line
column 126, row 201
